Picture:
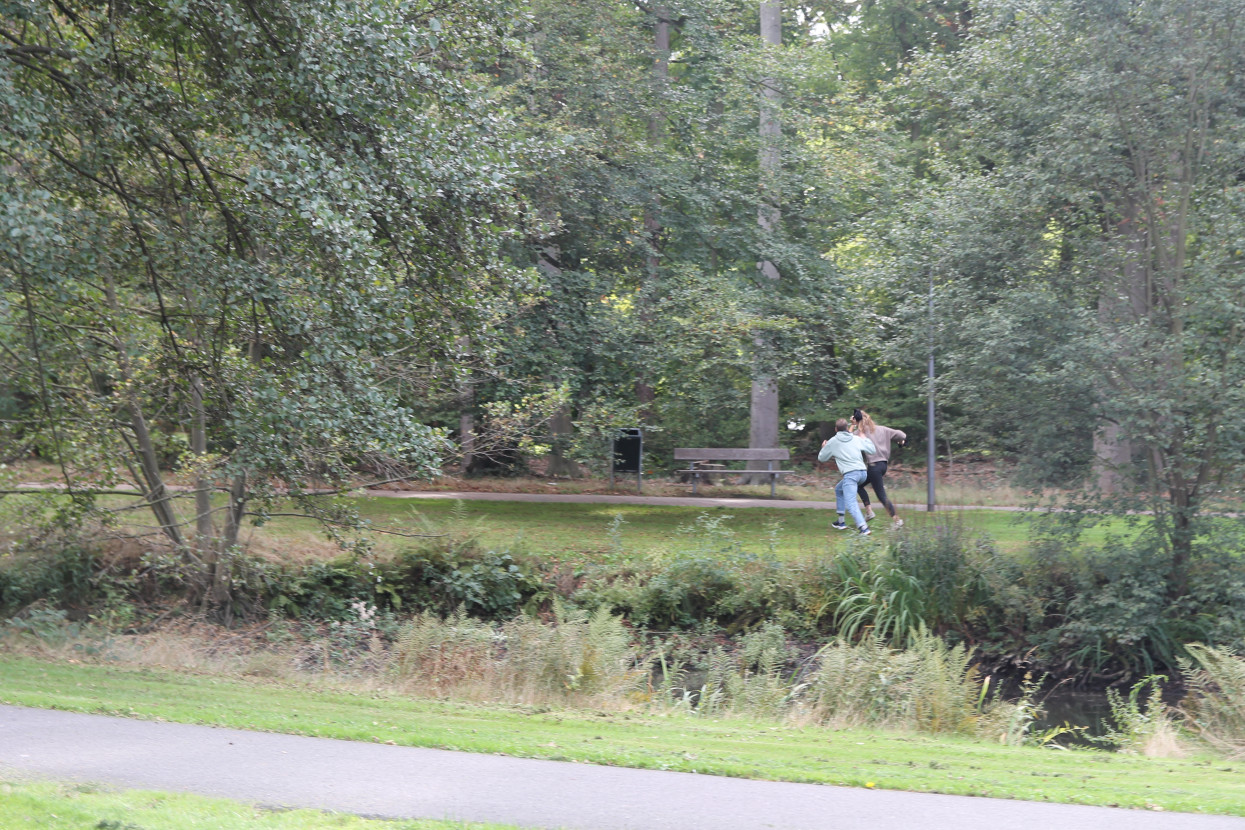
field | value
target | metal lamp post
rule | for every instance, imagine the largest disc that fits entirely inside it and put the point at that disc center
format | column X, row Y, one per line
column 929, row 415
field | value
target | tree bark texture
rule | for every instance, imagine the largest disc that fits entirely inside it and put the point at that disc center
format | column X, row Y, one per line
column 763, row 428
column 644, row 392
column 466, row 408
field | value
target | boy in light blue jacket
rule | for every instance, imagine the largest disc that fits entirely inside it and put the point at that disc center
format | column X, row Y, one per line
column 848, row 450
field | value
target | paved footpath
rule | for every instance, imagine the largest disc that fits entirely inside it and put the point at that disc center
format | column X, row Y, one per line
column 405, row 782
column 588, row 498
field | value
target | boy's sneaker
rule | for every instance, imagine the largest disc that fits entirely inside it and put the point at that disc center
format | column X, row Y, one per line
column 839, row 525
column 864, row 530
column 869, row 514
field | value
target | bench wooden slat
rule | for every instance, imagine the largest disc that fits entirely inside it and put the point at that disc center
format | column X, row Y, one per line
column 730, row 454
column 696, row 454
column 707, row 473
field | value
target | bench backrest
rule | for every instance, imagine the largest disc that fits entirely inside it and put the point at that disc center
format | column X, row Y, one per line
column 729, row 454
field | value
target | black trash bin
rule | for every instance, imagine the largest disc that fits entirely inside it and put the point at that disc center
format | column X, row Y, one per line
column 627, row 455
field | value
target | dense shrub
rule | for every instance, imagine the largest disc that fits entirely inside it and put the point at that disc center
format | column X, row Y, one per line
column 952, row 567
column 1100, row 612
column 315, row 590
column 1111, row 612
column 1119, row 618
column 58, row 570
column 445, row 574
column 937, row 578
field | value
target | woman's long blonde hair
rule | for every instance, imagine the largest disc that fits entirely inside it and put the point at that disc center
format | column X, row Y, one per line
column 867, row 426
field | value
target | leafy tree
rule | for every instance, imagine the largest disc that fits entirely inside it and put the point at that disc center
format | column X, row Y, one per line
column 876, row 41
column 650, row 195
column 241, row 223
column 1086, row 235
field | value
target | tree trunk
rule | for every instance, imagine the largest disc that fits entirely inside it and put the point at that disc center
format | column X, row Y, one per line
column 467, row 432
column 1112, row 457
column 1125, row 298
column 769, row 213
column 561, row 428
column 157, row 493
column 763, row 428
column 214, row 554
column 644, row 392
column 466, row 409
column 235, row 511
column 205, row 530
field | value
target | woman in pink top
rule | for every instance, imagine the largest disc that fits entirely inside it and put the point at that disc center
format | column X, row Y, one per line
column 881, row 437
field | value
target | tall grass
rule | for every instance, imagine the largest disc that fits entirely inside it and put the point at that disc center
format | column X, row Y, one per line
column 927, row 687
column 1145, row 728
column 1216, row 706
column 576, row 657
column 594, row 661
column 757, row 679
column 935, row 577
column 579, row 660
column 877, row 597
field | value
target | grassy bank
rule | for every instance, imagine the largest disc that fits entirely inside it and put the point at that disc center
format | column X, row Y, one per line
column 578, row 531
column 583, row 532
column 666, row 568
column 43, row 805
column 678, row 741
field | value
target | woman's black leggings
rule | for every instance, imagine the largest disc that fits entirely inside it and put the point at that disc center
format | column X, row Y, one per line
column 874, row 475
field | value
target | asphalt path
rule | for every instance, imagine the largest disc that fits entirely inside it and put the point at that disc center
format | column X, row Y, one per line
column 581, row 498
column 406, row 782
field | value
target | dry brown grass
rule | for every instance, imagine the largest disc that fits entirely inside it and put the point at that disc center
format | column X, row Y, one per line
column 1164, row 741
column 291, row 546
column 579, row 660
column 1215, row 707
column 587, row 659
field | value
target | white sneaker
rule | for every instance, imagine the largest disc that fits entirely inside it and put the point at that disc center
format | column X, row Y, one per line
column 899, row 523
column 869, row 514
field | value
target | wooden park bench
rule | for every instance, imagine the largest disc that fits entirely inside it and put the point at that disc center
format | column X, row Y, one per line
column 699, row 460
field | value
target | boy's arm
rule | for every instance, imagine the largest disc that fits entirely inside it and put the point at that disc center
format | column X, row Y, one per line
column 870, row 447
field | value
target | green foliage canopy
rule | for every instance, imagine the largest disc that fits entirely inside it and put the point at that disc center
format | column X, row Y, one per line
column 241, row 219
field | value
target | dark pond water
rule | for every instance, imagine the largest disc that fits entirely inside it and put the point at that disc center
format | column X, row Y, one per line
column 1089, row 712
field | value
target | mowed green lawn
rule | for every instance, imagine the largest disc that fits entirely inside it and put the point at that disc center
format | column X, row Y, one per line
column 589, row 532
column 47, row 805
column 731, row 747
